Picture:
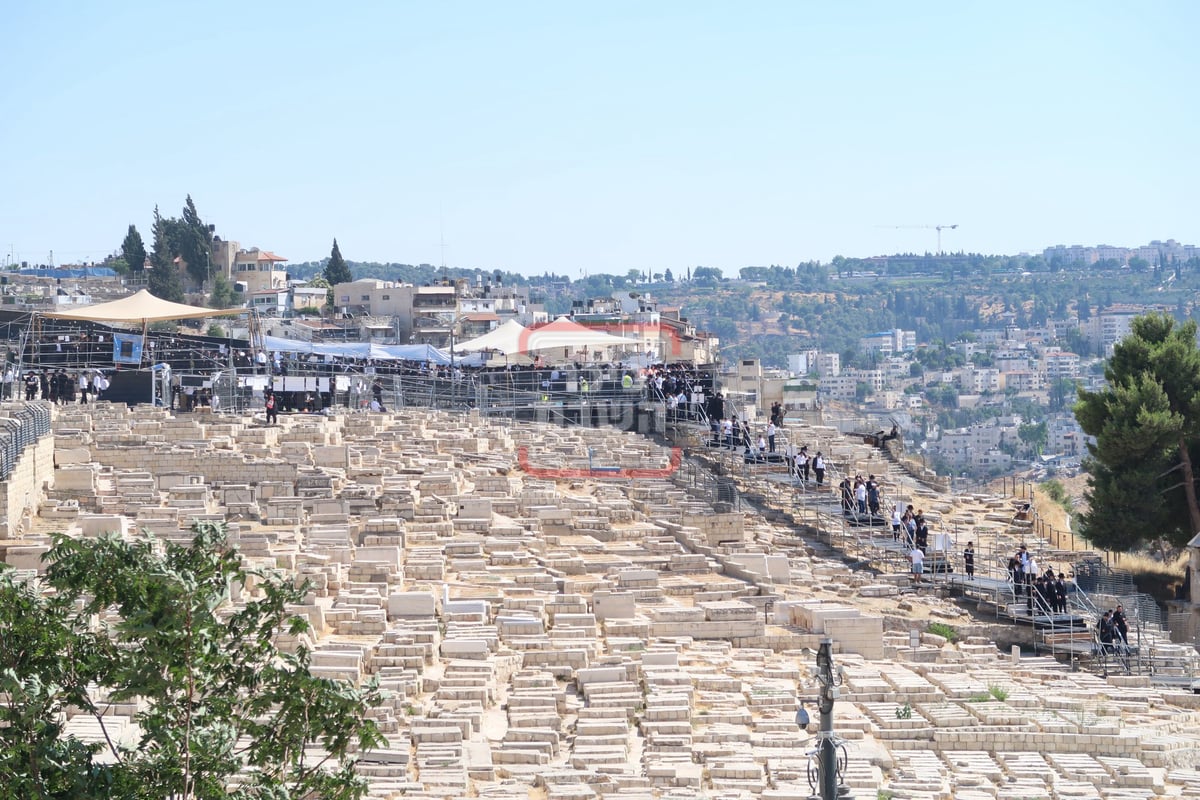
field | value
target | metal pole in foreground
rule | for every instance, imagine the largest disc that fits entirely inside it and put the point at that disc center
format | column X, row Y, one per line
column 827, row 757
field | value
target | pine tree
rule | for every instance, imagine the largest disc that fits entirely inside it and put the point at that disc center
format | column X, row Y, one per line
column 133, row 250
column 336, row 270
column 164, row 275
column 1147, row 428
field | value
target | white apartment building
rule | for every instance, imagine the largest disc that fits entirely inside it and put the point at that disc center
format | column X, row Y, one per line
column 980, row 380
column 1024, row 380
column 829, row 364
column 1060, row 365
column 886, row 343
column 1112, row 325
column 1064, row 436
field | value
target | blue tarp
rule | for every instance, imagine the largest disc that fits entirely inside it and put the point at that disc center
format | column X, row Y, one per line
column 378, row 352
column 58, row 272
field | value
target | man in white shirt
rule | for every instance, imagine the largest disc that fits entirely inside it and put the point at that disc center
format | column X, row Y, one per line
column 771, row 430
column 918, row 563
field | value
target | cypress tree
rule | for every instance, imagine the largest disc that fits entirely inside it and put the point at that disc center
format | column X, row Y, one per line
column 133, row 250
column 164, row 275
column 337, row 271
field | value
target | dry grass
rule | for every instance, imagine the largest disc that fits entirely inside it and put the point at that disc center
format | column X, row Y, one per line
column 1157, row 576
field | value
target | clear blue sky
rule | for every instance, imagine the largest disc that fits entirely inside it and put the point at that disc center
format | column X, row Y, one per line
column 571, row 136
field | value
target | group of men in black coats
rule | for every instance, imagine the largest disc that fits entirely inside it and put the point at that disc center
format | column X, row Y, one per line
column 1114, row 629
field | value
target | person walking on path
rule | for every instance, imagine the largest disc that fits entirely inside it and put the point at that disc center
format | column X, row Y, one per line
column 917, row 558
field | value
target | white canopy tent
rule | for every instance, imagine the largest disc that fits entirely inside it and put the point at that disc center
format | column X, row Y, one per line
column 507, row 339
column 512, row 338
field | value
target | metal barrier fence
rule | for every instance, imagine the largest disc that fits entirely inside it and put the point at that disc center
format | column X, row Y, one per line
column 21, row 425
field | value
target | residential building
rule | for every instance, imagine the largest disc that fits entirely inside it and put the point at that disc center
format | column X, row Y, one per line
column 309, row 296
column 255, row 270
column 1111, row 325
column 974, row 380
column 828, row 365
column 1024, row 380
column 1064, row 436
column 269, row 302
column 1060, row 365
column 886, row 343
column 429, row 314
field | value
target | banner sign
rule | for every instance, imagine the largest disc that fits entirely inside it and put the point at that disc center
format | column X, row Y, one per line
column 127, row 349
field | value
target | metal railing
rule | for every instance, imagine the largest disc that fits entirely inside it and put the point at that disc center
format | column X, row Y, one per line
column 21, row 426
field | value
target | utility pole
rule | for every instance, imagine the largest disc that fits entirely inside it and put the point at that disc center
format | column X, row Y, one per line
column 827, row 764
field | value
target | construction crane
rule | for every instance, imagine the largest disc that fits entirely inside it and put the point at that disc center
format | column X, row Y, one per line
column 938, row 228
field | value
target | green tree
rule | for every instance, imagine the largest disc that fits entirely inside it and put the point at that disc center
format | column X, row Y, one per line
column 336, row 270
column 1147, row 428
column 1061, row 389
column 164, row 275
column 193, row 242
column 215, row 696
column 44, row 669
column 117, row 264
column 133, row 250
column 222, row 295
column 1033, row 435
column 668, row 276
column 709, row 276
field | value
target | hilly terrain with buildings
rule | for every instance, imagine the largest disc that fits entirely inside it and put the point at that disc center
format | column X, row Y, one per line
column 516, row 592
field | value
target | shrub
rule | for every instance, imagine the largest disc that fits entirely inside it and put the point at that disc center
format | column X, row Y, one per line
column 942, row 629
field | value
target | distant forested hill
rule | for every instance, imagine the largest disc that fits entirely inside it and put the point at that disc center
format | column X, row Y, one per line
column 769, row 312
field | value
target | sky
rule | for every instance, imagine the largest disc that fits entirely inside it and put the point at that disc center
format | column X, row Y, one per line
column 577, row 137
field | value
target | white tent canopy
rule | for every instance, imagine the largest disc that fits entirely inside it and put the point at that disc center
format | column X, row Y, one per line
column 512, row 337
column 506, row 339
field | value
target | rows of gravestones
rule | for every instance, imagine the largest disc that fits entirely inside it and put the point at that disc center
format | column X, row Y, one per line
column 997, row 526
column 539, row 630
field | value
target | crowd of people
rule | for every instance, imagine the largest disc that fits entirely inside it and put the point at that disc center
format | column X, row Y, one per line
column 55, row 386
column 860, row 496
column 1045, row 590
column 1113, row 630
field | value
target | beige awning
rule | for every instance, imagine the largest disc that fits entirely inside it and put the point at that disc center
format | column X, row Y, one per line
column 142, row 307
